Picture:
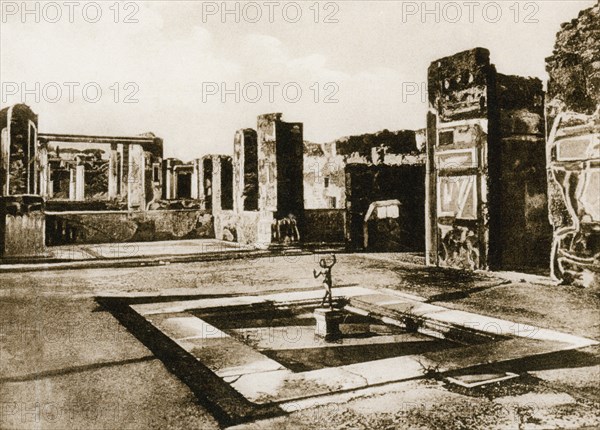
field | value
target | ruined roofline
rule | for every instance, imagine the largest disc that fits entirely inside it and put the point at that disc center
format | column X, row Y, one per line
column 574, row 66
column 378, row 133
column 245, row 130
column 220, row 156
column 520, row 77
column 477, row 52
column 275, row 117
column 270, row 116
column 570, row 25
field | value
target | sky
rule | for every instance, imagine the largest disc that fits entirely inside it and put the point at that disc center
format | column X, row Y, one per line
column 194, row 72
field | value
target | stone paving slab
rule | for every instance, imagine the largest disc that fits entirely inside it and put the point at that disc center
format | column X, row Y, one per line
column 269, row 387
column 203, row 304
column 218, row 351
column 472, row 321
column 185, row 326
column 227, row 357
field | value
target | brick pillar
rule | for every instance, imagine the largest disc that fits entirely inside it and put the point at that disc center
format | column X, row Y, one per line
column 280, row 172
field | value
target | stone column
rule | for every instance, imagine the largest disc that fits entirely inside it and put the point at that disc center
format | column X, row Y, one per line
column 238, row 171
column 169, row 179
column 431, row 253
column 216, row 183
column 5, row 158
column 72, row 177
column 113, row 172
column 44, row 171
column 195, row 189
column 80, row 182
column 201, row 195
column 136, row 179
column 50, row 182
column 267, row 162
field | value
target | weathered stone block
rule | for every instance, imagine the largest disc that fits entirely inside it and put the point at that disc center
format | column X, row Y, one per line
column 22, row 227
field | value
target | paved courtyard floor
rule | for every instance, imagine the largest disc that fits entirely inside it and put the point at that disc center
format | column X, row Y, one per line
column 67, row 362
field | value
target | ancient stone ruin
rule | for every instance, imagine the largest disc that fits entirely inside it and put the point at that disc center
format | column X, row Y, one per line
column 486, row 166
column 573, row 149
column 504, row 177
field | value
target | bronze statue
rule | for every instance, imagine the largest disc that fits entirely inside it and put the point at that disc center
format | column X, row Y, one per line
column 327, row 283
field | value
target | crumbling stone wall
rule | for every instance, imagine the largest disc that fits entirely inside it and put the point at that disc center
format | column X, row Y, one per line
column 324, row 177
column 573, row 150
column 242, row 222
column 485, row 193
column 241, row 227
column 373, row 147
column 574, row 67
column 324, row 174
column 109, row 227
column 22, row 225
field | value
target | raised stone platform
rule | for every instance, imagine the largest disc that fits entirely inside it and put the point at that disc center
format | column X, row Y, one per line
column 263, row 363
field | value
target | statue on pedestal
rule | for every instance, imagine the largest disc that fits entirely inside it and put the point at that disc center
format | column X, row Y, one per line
column 327, row 283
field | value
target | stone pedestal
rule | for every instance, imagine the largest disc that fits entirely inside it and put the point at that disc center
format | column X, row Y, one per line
column 328, row 323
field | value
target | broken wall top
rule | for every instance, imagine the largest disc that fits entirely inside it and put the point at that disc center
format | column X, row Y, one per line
column 574, row 66
column 396, row 142
column 458, row 84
